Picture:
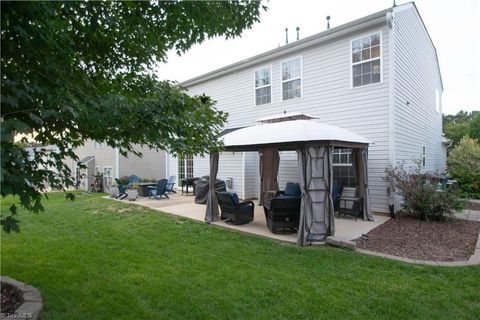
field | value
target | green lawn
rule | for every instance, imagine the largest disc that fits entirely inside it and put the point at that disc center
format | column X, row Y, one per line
column 99, row 259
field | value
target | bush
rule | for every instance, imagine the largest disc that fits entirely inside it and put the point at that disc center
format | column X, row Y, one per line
column 463, row 165
column 422, row 199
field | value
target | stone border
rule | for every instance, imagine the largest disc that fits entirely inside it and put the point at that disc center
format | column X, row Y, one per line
column 32, row 303
column 474, row 259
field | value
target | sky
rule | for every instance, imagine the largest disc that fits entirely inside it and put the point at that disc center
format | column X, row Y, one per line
column 453, row 26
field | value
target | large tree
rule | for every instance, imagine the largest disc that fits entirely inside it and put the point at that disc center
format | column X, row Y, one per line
column 73, row 71
column 456, row 126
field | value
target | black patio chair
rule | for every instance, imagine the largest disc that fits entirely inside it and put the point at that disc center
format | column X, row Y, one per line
column 283, row 211
column 159, row 190
column 233, row 210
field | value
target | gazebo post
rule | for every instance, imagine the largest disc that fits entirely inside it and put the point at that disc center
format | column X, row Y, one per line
column 211, row 211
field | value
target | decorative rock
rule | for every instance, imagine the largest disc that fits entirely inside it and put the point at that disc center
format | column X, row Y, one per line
column 348, row 244
column 333, row 241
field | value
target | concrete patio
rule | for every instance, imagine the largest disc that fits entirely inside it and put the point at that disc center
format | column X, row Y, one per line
column 346, row 228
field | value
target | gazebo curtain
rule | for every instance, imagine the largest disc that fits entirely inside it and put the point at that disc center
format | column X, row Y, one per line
column 360, row 163
column 212, row 202
column 316, row 180
column 269, row 163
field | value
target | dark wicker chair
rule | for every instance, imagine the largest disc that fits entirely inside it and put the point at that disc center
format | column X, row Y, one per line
column 232, row 210
column 283, row 211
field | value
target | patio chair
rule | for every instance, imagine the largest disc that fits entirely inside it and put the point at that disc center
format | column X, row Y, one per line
column 350, row 204
column 122, row 188
column 283, row 212
column 171, row 183
column 336, row 194
column 159, row 190
column 133, row 179
column 233, row 210
column 291, row 190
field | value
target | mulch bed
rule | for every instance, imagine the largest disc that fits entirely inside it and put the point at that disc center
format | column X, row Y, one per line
column 453, row 240
column 10, row 302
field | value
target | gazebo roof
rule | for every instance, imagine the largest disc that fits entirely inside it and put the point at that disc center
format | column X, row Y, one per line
column 289, row 135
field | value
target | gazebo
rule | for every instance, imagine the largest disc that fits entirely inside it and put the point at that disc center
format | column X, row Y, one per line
column 314, row 143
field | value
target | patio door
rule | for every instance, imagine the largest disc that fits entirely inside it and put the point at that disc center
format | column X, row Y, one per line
column 185, row 167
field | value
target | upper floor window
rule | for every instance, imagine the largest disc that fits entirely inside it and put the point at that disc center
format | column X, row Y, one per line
column 99, row 145
column 292, row 79
column 263, row 86
column 366, row 56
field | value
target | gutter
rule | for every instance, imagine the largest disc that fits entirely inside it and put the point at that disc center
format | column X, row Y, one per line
column 362, row 23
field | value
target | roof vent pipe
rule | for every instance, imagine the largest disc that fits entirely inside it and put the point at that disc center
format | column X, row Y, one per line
column 328, row 22
column 286, row 35
column 298, row 33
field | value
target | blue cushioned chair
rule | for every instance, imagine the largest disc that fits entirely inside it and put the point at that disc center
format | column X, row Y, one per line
column 233, row 210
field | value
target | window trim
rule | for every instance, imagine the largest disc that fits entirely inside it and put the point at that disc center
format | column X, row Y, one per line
column 369, row 34
column 424, row 156
column 105, row 176
column 301, row 77
column 255, row 88
column 99, row 145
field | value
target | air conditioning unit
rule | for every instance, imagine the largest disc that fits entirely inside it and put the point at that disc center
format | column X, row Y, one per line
column 229, row 182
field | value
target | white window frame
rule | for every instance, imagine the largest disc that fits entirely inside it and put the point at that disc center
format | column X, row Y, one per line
column 105, row 177
column 424, row 156
column 99, row 145
column 301, row 76
column 369, row 60
column 339, row 151
column 269, row 85
column 185, row 161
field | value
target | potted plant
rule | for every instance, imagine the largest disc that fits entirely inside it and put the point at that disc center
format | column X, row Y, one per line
column 132, row 192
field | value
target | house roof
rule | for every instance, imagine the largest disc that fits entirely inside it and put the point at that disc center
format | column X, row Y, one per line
column 367, row 21
column 87, row 159
column 370, row 20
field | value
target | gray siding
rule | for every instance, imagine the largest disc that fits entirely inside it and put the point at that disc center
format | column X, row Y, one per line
column 327, row 94
column 252, row 176
column 150, row 166
column 416, row 76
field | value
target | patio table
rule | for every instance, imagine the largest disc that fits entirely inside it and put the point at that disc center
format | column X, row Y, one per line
column 143, row 188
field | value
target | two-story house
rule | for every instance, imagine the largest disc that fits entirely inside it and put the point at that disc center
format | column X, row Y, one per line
column 377, row 76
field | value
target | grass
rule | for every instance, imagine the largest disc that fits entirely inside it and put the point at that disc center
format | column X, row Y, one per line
column 98, row 259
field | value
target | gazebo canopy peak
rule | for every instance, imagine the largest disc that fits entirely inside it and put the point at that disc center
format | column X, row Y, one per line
column 285, row 116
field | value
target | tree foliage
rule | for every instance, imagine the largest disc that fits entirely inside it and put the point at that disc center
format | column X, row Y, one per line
column 463, row 164
column 73, row 71
column 459, row 125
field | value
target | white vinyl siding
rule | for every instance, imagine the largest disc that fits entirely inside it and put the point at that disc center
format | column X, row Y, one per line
column 292, row 79
column 417, row 77
column 263, row 86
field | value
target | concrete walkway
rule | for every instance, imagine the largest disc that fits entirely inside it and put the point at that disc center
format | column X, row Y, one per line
column 346, row 228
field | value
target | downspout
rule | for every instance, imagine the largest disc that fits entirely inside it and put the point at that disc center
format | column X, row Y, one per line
column 391, row 86
column 117, row 163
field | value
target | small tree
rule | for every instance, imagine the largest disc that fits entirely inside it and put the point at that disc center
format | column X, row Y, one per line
column 464, row 166
column 421, row 198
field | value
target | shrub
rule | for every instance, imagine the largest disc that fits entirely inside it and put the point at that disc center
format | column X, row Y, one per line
column 463, row 164
column 422, row 199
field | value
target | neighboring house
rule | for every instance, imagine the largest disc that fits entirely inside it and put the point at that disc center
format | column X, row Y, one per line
column 377, row 76
column 100, row 158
